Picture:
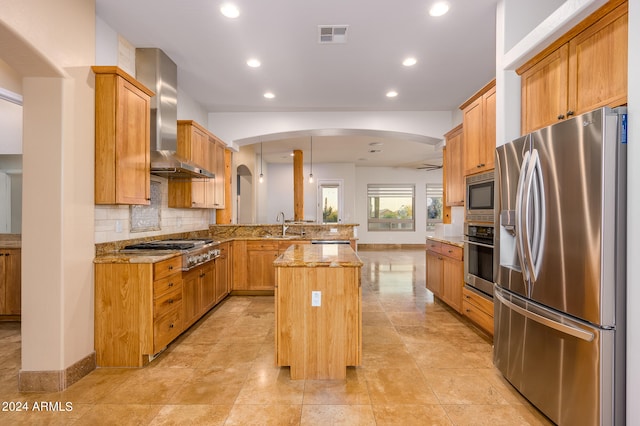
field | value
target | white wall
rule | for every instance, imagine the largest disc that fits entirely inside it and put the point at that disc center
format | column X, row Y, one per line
column 10, row 128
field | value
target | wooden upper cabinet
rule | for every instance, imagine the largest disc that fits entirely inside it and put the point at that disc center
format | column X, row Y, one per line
column 454, row 180
column 196, row 144
column 479, row 130
column 545, row 90
column 122, row 137
column 220, row 171
column 583, row 70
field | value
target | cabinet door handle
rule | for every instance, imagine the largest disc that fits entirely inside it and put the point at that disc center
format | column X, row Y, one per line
column 480, row 165
column 171, row 325
column 170, row 301
column 570, row 113
column 170, row 284
column 561, row 117
column 171, row 268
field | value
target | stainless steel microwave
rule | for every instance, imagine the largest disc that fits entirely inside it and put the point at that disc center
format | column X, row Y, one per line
column 479, row 197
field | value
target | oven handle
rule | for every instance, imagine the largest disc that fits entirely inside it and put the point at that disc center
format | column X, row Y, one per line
column 477, row 244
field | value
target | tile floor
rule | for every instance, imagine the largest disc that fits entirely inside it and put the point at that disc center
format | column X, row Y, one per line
column 422, row 365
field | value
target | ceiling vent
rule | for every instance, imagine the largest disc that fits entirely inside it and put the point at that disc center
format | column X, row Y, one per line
column 332, row 34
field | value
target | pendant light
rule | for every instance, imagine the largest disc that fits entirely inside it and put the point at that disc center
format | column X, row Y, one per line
column 261, row 175
column 311, row 163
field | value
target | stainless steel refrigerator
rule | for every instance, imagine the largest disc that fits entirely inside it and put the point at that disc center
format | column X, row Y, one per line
column 559, row 267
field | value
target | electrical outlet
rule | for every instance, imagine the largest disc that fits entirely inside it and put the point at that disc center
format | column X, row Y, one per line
column 118, row 226
column 333, row 230
column 316, row 298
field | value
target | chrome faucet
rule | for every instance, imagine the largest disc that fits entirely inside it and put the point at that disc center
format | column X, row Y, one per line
column 284, row 227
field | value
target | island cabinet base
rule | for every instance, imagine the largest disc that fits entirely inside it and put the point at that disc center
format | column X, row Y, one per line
column 318, row 321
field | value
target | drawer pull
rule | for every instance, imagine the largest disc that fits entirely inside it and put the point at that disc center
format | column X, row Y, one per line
column 170, row 301
column 171, row 267
column 171, row 325
column 170, row 284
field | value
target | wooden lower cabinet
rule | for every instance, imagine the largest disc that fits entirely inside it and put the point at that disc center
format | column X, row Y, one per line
column 478, row 309
column 10, row 281
column 199, row 292
column 318, row 341
column 445, row 272
column 222, row 280
column 142, row 307
column 252, row 265
column 138, row 310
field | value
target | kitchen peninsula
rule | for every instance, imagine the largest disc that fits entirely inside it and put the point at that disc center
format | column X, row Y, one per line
column 318, row 310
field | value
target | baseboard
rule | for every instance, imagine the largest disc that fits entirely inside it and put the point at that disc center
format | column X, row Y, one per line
column 376, row 246
column 252, row 293
column 56, row 381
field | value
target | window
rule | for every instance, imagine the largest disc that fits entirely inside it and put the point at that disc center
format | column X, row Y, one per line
column 330, row 200
column 434, row 204
column 391, row 207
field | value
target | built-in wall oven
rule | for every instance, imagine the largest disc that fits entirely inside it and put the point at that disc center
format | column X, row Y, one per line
column 478, row 257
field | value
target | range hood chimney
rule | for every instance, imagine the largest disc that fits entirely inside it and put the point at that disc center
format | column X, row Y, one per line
column 157, row 71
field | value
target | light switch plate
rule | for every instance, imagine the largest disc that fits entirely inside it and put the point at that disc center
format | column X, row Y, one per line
column 316, row 298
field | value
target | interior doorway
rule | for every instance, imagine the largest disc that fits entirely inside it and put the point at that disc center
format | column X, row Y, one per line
column 330, row 201
column 245, row 195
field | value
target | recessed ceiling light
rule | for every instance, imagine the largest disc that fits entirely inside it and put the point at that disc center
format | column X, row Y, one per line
column 409, row 62
column 439, row 8
column 376, row 144
column 269, row 95
column 375, row 151
column 392, row 94
column 253, row 63
column 230, row 10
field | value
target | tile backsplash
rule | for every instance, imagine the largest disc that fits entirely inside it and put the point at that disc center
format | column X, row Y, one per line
column 113, row 223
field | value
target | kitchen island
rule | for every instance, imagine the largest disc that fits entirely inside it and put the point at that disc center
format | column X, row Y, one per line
column 318, row 306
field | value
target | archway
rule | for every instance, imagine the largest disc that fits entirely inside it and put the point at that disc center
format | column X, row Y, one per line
column 245, row 195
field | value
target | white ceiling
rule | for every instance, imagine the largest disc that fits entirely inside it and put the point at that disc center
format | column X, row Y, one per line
column 455, row 54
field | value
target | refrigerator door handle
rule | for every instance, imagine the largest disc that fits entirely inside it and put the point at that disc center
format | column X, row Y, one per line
column 521, row 216
column 533, row 229
column 563, row 328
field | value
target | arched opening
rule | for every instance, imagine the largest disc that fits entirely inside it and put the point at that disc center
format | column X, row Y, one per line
column 245, row 195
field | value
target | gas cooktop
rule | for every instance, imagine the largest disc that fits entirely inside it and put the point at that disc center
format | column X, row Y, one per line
column 172, row 244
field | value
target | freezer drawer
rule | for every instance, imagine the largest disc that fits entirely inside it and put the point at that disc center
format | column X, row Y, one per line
column 564, row 367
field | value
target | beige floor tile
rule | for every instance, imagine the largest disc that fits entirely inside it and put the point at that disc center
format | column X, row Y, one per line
column 399, row 385
column 347, row 415
column 193, row 415
column 118, row 414
column 386, row 356
column 376, row 319
column 407, row 318
column 372, row 335
column 267, row 415
column 405, row 415
column 492, row 415
column 273, row 386
column 210, row 387
column 148, row 386
column 462, row 386
column 352, row 391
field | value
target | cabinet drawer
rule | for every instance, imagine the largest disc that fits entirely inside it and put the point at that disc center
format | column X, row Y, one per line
column 452, row 251
column 167, row 267
column 167, row 328
column 262, row 245
column 167, row 284
column 166, row 302
column 478, row 301
column 434, row 246
column 478, row 316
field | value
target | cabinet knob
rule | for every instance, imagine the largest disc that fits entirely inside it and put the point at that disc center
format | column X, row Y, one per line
column 171, row 325
column 170, row 301
column 480, row 165
column 561, row 117
column 570, row 113
column 148, row 199
column 170, row 284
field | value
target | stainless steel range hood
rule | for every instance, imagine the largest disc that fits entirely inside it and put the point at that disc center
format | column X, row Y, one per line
column 157, row 71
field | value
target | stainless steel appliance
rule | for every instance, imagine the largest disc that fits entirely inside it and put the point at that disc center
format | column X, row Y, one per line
column 559, row 296
column 479, row 197
column 195, row 252
column 478, row 257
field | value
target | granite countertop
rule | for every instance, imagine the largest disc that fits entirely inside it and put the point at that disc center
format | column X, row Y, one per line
column 456, row 240
column 143, row 256
column 318, row 255
column 10, row 244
